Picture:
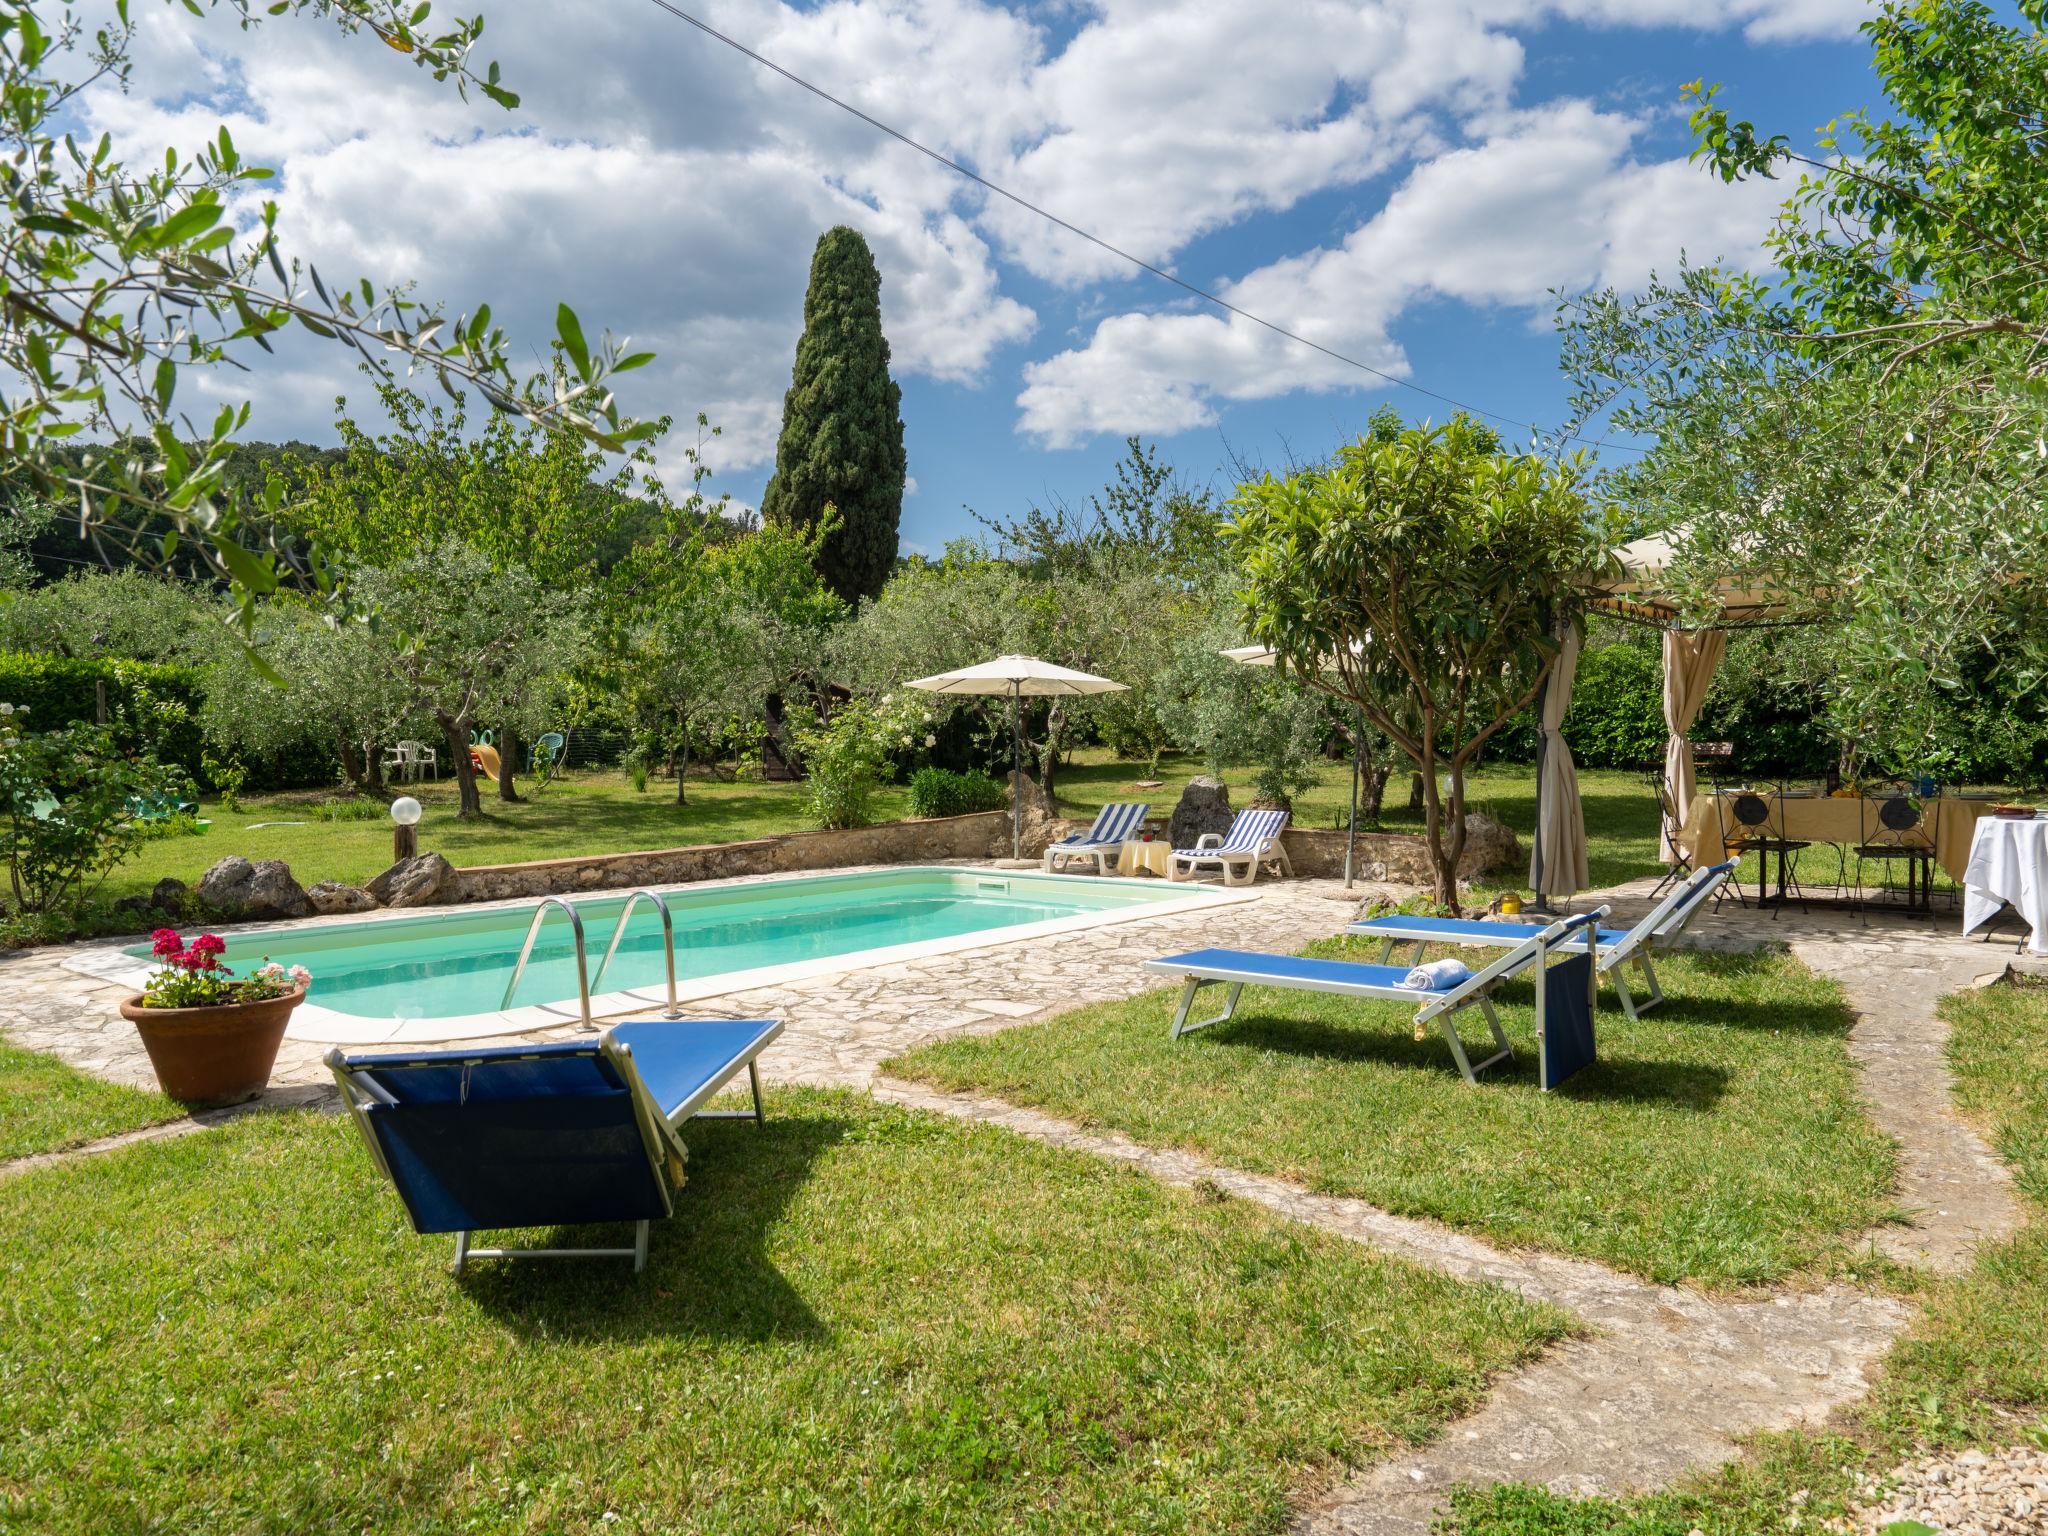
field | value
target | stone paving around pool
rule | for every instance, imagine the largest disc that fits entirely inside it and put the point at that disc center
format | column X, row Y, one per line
column 1664, row 1382
column 839, row 1028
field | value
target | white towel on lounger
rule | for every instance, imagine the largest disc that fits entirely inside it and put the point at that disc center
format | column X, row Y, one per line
column 1438, row 976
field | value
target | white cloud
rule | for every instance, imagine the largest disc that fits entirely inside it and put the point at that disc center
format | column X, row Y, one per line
column 1548, row 200
column 670, row 189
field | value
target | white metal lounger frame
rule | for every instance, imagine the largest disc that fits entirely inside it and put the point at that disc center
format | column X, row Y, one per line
column 1664, row 923
column 1104, row 839
column 1441, row 1007
column 656, row 1130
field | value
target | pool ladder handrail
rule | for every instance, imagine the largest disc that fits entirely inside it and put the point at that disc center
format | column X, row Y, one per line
column 540, row 913
column 668, row 943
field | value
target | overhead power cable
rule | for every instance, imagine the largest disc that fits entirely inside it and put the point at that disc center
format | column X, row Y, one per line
column 1096, row 240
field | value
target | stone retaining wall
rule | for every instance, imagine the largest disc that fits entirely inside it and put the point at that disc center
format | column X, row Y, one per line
column 1402, row 858
column 979, row 836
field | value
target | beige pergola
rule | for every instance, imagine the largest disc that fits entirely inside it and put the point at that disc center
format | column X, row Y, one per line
column 1637, row 589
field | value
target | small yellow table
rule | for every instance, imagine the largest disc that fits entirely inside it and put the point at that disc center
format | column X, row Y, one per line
column 1139, row 857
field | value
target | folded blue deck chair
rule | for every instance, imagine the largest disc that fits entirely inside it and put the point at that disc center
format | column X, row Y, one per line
column 1114, row 826
column 1616, row 947
column 1566, row 992
column 548, row 1135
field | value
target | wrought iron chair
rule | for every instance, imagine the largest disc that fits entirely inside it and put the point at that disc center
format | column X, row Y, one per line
column 1904, row 832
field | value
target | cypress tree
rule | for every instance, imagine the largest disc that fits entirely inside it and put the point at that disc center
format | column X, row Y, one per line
column 842, row 423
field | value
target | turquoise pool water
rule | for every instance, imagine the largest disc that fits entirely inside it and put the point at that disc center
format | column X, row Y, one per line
column 453, row 964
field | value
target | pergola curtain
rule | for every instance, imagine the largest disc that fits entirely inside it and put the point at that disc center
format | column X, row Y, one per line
column 1690, row 659
column 1557, row 863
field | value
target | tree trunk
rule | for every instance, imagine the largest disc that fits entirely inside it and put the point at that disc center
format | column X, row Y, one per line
column 1372, row 791
column 508, row 754
column 351, row 764
column 470, row 804
column 1443, row 860
column 373, row 768
column 682, row 765
column 1415, row 792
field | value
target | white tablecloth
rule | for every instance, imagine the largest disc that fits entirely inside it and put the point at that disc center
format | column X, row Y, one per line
column 2008, row 863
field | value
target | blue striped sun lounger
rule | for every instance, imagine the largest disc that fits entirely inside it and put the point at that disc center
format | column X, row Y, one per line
column 1114, row 826
column 548, row 1135
column 1564, row 1027
column 1616, row 947
column 1253, row 839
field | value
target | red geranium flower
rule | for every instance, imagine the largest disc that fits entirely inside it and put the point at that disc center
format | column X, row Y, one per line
column 209, row 944
column 165, row 943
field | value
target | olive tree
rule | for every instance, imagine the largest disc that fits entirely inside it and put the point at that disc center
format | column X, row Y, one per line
column 464, row 633
column 1419, row 577
column 121, row 277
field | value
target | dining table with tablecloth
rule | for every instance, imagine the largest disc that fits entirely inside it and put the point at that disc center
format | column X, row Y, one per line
column 1950, row 820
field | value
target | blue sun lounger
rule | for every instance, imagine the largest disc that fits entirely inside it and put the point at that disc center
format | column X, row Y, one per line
column 1616, row 947
column 1564, row 1024
column 548, row 1135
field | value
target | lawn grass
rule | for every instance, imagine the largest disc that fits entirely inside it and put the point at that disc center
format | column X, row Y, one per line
column 1973, row 1371
column 46, row 1106
column 860, row 1320
column 1719, row 1141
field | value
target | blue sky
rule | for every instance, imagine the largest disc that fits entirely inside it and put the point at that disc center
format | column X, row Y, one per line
column 1401, row 179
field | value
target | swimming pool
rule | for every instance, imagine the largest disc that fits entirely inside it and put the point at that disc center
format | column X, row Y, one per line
column 442, row 974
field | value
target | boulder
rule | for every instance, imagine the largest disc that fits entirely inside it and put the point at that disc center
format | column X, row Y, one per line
column 1490, row 848
column 170, row 894
column 264, row 890
column 331, row 897
column 1204, row 807
column 419, row 881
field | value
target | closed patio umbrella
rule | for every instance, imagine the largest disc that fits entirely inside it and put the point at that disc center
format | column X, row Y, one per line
column 1018, row 676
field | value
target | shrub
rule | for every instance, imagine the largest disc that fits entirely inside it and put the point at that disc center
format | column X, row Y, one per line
column 941, row 792
column 66, row 801
column 849, row 757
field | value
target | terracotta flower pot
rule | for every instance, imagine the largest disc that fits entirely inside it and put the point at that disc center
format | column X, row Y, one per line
column 207, row 1057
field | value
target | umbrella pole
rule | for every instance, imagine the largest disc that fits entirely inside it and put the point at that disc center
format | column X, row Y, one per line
column 1357, row 764
column 1016, row 773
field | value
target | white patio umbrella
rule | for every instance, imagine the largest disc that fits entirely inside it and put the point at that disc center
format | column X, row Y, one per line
column 1018, row 676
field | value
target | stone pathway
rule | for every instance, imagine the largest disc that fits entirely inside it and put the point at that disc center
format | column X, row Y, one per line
column 1664, row 1382
column 839, row 1028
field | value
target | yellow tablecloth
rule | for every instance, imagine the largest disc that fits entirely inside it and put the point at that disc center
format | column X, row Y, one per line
column 1144, row 858
column 1825, row 819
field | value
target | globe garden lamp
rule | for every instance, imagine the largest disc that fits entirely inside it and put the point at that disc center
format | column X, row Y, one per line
column 405, row 834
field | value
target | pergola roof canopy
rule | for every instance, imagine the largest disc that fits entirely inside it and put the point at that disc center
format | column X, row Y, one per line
column 1641, row 590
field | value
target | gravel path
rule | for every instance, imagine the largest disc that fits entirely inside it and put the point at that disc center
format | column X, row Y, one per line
column 2004, row 1493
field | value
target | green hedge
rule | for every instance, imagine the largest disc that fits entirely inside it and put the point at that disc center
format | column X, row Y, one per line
column 63, row 690
column 941, row 792
column 1617, row 721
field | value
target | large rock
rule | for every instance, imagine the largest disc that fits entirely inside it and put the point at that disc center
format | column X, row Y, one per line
column 1204, row 807
column 331, row 898
column 264, row 890
column 419, row 881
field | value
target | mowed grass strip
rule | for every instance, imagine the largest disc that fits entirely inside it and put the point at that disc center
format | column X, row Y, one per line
column 1720, row 1141
column 1973, row 1371
column 860, row 1320
column 46, row 1106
